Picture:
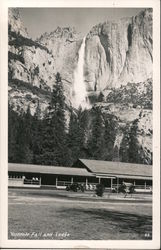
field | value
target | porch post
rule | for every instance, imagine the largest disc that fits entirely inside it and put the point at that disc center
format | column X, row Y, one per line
column 117, row 184
column 86, row 181
column 111, row 183
column 99, row 180
column 134, row 183
column 40, row 181
column 71, row 180
column 56, row 181
column 145, row 185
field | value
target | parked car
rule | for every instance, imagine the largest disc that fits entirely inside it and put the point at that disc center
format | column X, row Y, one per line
column 75, row 187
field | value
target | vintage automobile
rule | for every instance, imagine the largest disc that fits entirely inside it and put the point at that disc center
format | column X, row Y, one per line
column 75, row 187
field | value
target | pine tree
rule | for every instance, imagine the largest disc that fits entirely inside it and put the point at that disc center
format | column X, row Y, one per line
column 23, row 142
column 133, row 152
column 28, row 127
column 124, row 147
column 37, row 114
column 54, row 146
column 19, row 137
column 13, row 121
column 37, row 136
column 20, row 143
column 100, row 97
column 82, row 125
column 96, row 140
column 77, row 134
column 109, row 138
column 73, row 137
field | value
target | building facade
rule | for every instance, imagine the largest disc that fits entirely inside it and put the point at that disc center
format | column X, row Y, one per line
column 88, row 172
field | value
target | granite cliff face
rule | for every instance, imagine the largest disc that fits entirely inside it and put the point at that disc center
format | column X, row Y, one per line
column 119, row 52
column 64, row 44
column 34, row 64
column 127, row 104
column 15, row 22
column 115, row 53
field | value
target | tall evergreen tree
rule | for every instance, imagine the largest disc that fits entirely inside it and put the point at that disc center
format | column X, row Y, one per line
column 100, row 97
column 37, row 136
column 13, row 121
column 19, row 137
column 134, row 154
column 28, row 135
column 109, row 138
column 73, row 141
column 124, row 147
column 77, row 134
column 55, row 149
column 20, row 142
column 82, row 116
column 96, row 140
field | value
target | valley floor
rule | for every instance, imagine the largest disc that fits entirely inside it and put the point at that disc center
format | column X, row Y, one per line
column 50, row 214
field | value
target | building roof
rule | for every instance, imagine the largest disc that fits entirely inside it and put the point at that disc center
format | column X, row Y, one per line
column 116, row 168
column 28, row 168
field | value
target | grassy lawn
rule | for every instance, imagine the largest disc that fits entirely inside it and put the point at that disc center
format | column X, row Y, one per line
column 44, row 215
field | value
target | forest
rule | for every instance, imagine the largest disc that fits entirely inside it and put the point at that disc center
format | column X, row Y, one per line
column 49, row 141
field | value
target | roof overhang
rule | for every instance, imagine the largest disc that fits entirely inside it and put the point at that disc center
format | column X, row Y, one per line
column 117, row 169
column 48, row 170
column 105, row 176
column 136, row 177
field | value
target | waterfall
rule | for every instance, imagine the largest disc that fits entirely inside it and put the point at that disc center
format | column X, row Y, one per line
column 116, row 147
column 80, row 97
column 118, row 140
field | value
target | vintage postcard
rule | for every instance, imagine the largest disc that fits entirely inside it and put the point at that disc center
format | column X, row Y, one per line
column 80, row 115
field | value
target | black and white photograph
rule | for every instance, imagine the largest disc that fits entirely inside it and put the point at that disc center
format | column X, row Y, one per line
column 80, row 124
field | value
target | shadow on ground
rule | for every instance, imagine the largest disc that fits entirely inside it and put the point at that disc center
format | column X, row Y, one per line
column 124, row 222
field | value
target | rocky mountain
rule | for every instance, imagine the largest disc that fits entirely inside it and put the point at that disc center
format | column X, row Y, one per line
column 117, row 70
column 64, row 44
column 15, row 22
column 126, row 105
column 121, row 52
column 30, row 67
column 115, row 53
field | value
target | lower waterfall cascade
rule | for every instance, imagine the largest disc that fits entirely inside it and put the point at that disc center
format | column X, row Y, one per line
column 79, row 93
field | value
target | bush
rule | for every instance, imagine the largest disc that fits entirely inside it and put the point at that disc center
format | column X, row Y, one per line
column 131, row 189
column 100, row 190
column 12, row 56
column 122, row 188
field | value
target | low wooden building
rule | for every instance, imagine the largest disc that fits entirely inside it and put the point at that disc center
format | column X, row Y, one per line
column 88, row 172
column 27, row 175
column 112, row 174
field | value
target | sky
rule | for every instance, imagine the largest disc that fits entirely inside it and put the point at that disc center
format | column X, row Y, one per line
column 40, row 20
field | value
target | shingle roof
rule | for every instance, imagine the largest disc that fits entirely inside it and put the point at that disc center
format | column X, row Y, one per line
column 27, row 168
column 116, row 168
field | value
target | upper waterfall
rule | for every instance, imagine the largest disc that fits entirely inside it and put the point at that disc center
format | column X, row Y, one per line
column 80, row 97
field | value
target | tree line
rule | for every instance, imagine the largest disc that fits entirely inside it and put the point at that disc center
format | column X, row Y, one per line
column 49, row 141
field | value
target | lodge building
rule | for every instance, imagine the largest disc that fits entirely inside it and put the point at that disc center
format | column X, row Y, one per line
column 88, row 172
